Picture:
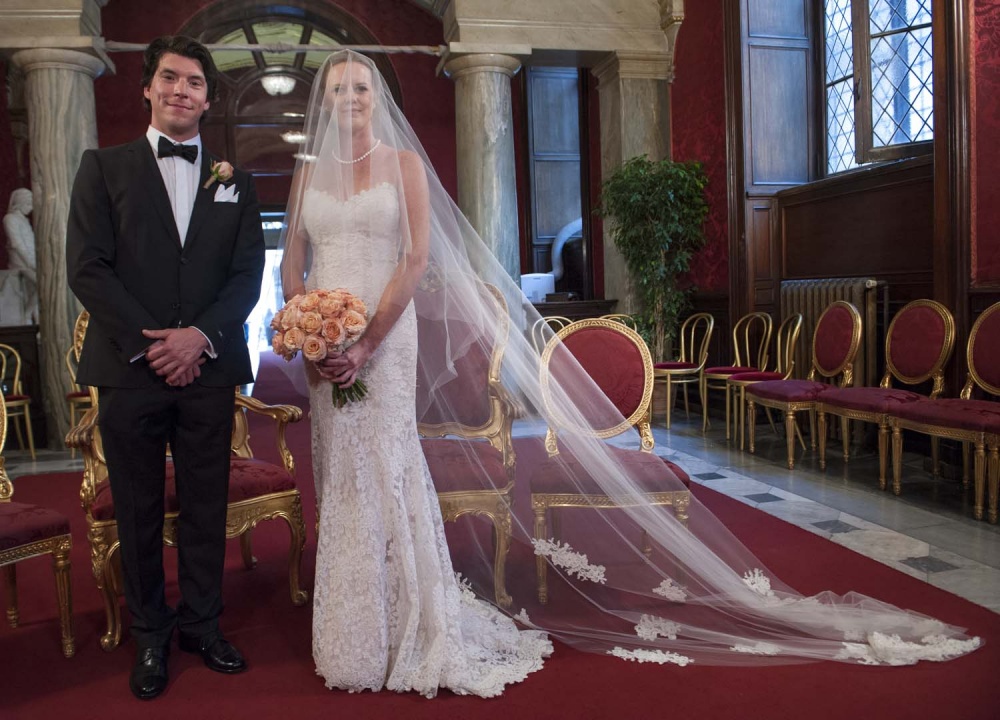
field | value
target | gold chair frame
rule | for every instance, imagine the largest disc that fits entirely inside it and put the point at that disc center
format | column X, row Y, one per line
column 17, row 410
column 743, row 346
column 936, row 374
column 493, row 504
column 785, row 343
column 699, row 325
column 541, row 326
column 58, row 546
column 541, row 503
column 623, row 318
column 845, row 370
column 78, row 402
column 984, row 470
column 241, row 517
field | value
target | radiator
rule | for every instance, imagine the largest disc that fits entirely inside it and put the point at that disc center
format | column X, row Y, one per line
column 811, row 298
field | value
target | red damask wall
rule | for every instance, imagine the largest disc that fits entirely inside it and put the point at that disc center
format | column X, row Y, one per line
column 429, row 101
column 698, row 127
column 986, row 144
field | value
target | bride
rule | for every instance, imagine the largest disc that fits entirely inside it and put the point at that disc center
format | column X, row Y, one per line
column 368, row 213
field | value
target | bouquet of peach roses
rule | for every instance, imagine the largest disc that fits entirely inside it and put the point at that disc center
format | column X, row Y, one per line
column 319, row 323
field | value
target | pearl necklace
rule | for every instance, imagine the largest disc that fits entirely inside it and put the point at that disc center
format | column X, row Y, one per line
column 359, row 158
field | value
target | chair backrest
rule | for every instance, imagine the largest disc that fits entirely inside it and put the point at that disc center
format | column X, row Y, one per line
column 695, row 338
column 752, row 340
column 836, row 341
column 10, row 370
column 626, row 320
column 918, row 344
column 545, row 328
column 79, row 333
column 983, row 351
column 474, row 404
column 786, row 342
column 617, row 360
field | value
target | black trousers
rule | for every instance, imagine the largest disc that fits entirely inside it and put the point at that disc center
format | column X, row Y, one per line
column 136, row 425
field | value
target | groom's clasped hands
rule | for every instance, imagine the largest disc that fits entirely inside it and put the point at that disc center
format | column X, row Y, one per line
column 177, row 354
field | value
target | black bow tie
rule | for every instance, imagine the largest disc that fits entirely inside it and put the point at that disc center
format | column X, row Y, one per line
column 169, row 149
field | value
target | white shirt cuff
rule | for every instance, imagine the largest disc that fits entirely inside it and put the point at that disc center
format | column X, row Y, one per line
column 210, row 350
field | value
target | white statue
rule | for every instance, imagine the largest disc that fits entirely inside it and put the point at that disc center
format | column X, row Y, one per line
column 21, row 254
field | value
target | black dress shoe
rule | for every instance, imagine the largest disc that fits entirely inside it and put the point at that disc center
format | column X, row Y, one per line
column 217, row 652
column 149, row 674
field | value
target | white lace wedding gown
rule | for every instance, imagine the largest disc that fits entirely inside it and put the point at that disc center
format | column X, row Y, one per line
column 388, row 609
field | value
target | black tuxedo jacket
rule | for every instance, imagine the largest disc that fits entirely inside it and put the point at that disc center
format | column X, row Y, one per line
column 126, row 265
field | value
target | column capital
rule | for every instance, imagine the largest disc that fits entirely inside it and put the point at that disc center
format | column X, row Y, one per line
column 61, row 59
column 457, row 66
column 623, row 64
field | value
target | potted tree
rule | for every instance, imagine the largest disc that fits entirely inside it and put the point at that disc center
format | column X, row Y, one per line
column 659, row 210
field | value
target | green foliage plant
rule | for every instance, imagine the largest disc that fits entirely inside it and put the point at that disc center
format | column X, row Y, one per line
column 658, row 210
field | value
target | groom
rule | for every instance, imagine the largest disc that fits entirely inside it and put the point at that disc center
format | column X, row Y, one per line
column 164, row 248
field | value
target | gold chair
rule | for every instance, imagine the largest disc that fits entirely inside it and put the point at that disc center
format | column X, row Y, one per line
column 78, row 398
column 18, row 404
column 785, row 345
column 544, row 327
column 482, row 415
column 28, row 531
column 258, row 491
column 564, row 481
column 918, row 345
column 626, row 320
column 751, row 340
column 695, row 337
column 971, row 421
column 836, row 340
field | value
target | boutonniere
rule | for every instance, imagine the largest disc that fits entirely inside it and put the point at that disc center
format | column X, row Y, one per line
column 221, row 171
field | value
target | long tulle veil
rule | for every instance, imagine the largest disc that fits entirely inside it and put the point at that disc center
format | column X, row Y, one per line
column 633, row 580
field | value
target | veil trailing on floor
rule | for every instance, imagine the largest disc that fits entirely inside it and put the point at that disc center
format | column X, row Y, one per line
column 627, row 577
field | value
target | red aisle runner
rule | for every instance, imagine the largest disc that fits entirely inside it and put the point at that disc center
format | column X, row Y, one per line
column 37, row 682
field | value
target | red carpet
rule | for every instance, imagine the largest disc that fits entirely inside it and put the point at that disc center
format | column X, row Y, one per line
column 37, row 682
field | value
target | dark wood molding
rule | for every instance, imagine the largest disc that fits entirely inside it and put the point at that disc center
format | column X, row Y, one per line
column 739, row 300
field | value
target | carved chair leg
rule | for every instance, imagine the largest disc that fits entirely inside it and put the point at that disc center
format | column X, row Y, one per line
column 751, row 409
column 812, row 430
column 965, row 465
column 29, row 431
column 297, row 531
column 670, row 400
column 104, row 566
column 10, row 581
column 540, row 561
column 246, row 550
column 821, row 432
column 994, row 480
column 790, row 428
column 935, row 456
column 681, row 505
column 64, row 593
column 845, row 437
column 501, row 542
column 897, row 460
column 703, row 392
column 978, row 470
column 728, row 408
column 883, row 449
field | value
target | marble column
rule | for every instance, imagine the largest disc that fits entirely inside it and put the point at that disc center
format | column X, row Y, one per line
column 634, row 94
column 62, row 123
column 487, row 191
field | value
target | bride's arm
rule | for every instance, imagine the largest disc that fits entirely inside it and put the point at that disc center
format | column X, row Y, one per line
column 293, row 258
column 343, row 369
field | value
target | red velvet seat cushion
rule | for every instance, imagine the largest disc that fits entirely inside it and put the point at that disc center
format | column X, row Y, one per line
column 756, row 376
column 974, row 415
column 869, row 399
column 21, row 524
column 464, row 464
column 788, row 390
column 674, row 365
column 564, row 473
column 77, row 394
column 16, row 398
column 729, row 370
column 248, row 478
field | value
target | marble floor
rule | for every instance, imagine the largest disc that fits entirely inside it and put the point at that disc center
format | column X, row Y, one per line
column 927, row 532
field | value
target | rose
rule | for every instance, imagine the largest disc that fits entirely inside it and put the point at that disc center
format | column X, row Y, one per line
column 354, row 323
column 221, row 171
column 333, row 331
column 311, row 322
column 294, row 337
column 330, row 306
column 309, row 303
column 278, row 343
column 357, row 305
column 289, row 317
column 314, row 348
column 276, row 321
